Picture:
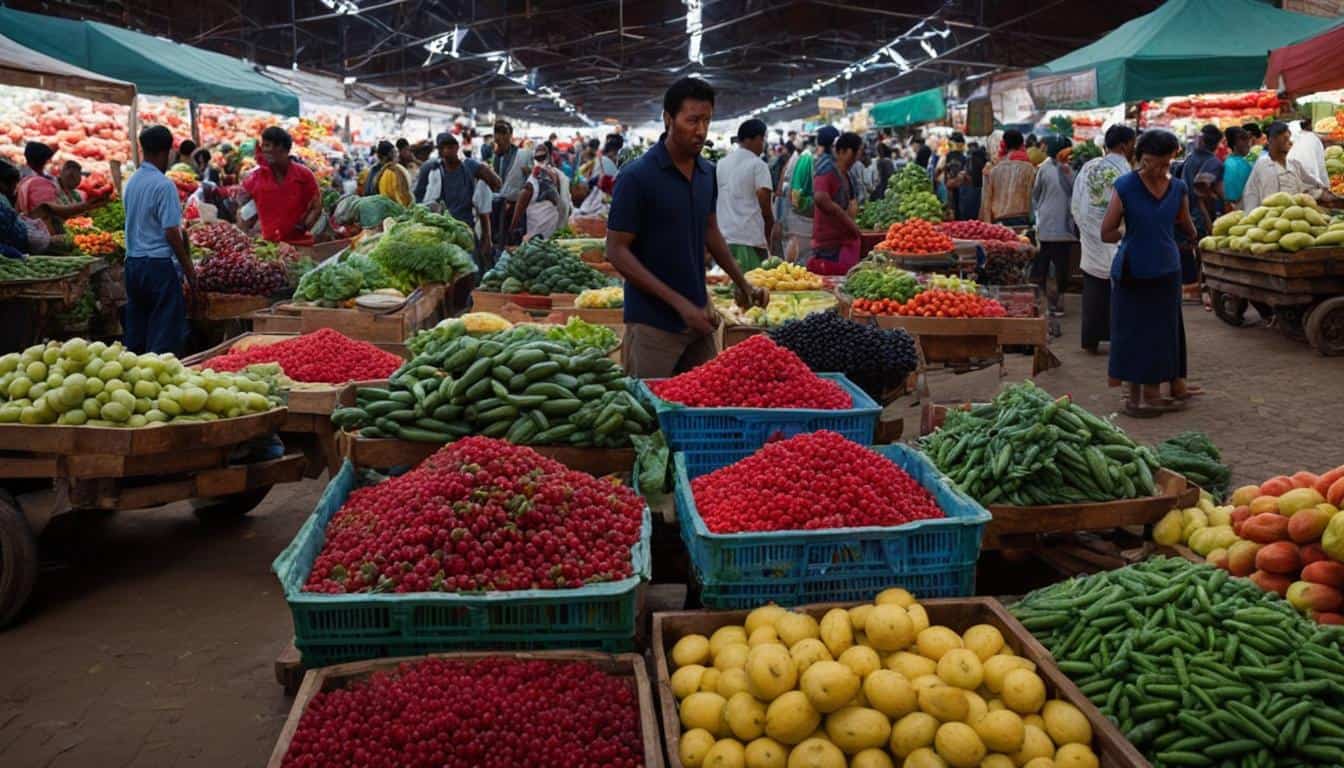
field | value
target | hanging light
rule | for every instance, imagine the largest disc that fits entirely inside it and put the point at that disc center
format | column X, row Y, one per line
column 695, row 29
column 342, row 7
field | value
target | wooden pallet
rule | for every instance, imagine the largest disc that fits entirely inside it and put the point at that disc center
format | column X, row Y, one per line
column 957, row 613
column 384, row 453
column 1017, row 527
column 618, row 665
column 127, row 493
column 970, row 342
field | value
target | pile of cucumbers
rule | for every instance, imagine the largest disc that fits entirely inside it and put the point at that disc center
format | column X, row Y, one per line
column 41, row 267
column 516, row 384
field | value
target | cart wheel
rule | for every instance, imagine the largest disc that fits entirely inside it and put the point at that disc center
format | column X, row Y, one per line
column 225, row 508
column 1289, row 320
column 1230, row 309
column 1325, row 326
column 18, row 559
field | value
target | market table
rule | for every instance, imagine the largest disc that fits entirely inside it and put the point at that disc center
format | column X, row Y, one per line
column 426, row 306
column 1302, row 292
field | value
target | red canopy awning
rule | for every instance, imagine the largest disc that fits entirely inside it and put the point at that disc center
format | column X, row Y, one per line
column 1309, row 66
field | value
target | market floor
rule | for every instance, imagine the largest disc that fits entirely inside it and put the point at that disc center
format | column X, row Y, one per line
column 151, row 642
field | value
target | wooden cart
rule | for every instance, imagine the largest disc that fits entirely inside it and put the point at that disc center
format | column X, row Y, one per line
column 1110, row 746
column 47, row 471
column 1303, row 292
column 386, row 452
column 307, row 426
column 619, row 665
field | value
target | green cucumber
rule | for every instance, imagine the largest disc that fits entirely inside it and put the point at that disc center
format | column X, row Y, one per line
column 539, row 371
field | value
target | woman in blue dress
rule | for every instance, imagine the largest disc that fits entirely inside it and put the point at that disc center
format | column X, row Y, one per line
column 1147, row 331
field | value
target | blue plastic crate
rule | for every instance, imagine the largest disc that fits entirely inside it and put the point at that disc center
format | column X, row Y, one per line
column 331, row 629
column 931, row 558
column 741, row 431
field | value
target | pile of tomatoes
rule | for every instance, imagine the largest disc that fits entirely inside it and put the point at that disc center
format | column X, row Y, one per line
column 915, row 236
column 934, row 303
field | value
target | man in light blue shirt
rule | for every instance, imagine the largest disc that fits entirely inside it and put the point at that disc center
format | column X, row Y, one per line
column 156, row 253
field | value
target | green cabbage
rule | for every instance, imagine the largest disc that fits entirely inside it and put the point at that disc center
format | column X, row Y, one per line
column 414, row 253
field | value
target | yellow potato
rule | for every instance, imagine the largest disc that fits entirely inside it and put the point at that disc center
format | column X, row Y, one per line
column 726, row 636
column 924, row 758
column 890, row 693
column 1023, row 691
column 997, row 761
column 710, row 680
column 912, row 665
column 984, row 639
column 745, row 716
column 934, row 642
column 946, row 704
column 958, row 744
column 691, row 649
column 836, row 631
column 1065, row 724
column 895, row 595
column 1039, row 762
column 997, row 668
column 793, row 627
column 928, row 681
column 704, row 710
column 976, row 707
column 765, row 752
column 912, row 732
column 726, row 753
column 889, row 628
column 732, row 656
column 871, row 758
column 763, row 636
column 791, row 718
column 1035, row 720
column 686, row 680
column 829, row 685
column 961, row 667
column 695, row 744
column 816, row 753
column 862, row 659
column 807, row 652
column 995, row 705
column 770, row 671
column 854, row 729
column 732, row 681
column 858, row 615
column 1035, row 744
column 765, row 616
column 1001, row 731
column 918, row 616
column 1076, row 756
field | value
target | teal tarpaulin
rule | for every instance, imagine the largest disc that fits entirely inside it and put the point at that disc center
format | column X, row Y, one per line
column 156, row 66
column 921, row 107
column 1186, row 47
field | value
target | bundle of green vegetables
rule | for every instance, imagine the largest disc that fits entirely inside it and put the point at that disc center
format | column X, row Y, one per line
column 542, row 267
column 1027, row 449
column 1193, row 455
column 880, row 212
column 424, row 247
column 584, row 335
column 341, row 280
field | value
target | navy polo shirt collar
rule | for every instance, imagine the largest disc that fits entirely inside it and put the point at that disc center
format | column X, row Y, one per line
column 664, row 158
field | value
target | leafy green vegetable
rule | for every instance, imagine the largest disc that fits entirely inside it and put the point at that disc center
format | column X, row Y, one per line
column 584, row 334
column 424, row 248
column 652, row 460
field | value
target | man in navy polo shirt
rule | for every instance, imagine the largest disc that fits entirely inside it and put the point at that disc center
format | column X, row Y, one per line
column 661, row 222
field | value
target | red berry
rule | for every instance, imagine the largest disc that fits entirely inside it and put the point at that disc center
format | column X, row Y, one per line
column 758, row 373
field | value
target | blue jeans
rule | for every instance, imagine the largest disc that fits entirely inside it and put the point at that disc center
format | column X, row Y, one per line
column 156, row 310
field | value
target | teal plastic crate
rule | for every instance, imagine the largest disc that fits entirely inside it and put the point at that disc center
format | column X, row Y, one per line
column 739, row 432
column 331, row 629
column 931, row 558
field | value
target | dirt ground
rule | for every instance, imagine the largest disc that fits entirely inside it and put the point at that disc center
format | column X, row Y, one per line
column 151, row 637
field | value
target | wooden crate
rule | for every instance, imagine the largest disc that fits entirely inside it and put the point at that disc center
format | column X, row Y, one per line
column 1017, row 527
column 126, row 493
column 959, row 341
column 489, row 301
column 169, row 437
column 957, row 613
column 422, row 309
column 233, row 306
column 383, row 453
column 341, row 675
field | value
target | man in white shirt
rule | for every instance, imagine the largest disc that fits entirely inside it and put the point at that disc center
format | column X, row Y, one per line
column 743, row 210
column 1278, row 173
column 1092, row 191
column 1309, row 154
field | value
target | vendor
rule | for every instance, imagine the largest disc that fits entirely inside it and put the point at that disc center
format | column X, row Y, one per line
column 17, row 233
column 1277, row 173
column 200, row 160
column 391, row 180
column 661, row 224
column 40, row 196
column 285, row 192
column 156, row 311
column 448, row 181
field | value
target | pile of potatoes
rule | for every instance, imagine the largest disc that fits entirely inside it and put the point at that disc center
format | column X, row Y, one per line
column 873, row 686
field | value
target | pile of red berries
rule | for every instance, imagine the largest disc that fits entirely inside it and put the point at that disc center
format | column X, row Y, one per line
column 480, row 514
column 326, row 355
column 492, row 713
column 758, row 373
column 810, row 482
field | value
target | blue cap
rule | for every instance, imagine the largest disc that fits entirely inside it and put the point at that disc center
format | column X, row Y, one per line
column 827, row 134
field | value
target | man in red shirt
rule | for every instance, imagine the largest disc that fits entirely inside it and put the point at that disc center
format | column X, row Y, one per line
column 285, row 192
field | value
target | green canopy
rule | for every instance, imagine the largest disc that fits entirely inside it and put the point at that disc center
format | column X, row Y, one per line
column 1184, row 47
column 156, row 66
column 921, row 107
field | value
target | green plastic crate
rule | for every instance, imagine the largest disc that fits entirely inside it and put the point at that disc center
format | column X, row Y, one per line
column 331, row 629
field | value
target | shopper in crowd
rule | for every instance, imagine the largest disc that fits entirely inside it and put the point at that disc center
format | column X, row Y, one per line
column 1237, row 166
column 1035, row 150
column 1202, row 174
column 421, row 151
column 1309, row 154
column 956, row 153
column 1092, row 190
column 1006, row 197
column 448, row 182
column 1276, row 173
column 544, row 199
column 922, row 151
column 1050, row 195
column 200, row 160
column 157, row 256
column 968, row 197
column 19, row 235
column 885, row 168
column 1147, row 330
column 285, row 192
column 393, row 182
column 662, row 222
column 512, row 167
column 745, row 216
column 406, row 158
column 183, row 153
column 835, row 235
column 858, row 176
column 39, row 196
column 801, row 203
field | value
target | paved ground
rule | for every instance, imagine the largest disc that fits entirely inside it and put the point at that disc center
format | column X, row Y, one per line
column 152, row 644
